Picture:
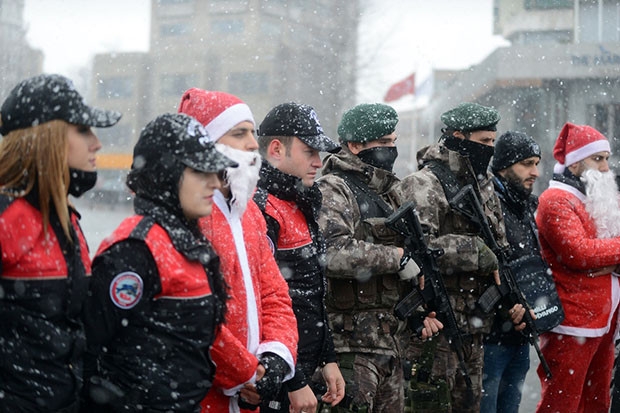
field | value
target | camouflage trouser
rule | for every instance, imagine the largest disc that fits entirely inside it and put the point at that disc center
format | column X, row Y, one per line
column 445, row 366
column 374, row 382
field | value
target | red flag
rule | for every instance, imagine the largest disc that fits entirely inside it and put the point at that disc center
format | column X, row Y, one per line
column 400, row 89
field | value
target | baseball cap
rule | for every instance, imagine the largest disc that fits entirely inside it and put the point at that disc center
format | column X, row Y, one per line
column 43, row 98
column 299, row 120
column 184, row 138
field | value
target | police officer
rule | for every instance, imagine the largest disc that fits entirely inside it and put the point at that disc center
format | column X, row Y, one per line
column 157, row 296
column 365, row 271
column 47, row 153
column 290, row 141
column 467, row 266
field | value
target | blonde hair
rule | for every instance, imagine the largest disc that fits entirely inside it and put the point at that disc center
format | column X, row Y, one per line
column 37, row 157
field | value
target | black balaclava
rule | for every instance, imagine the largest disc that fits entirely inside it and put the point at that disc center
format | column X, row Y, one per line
column 382, row 157
column 81, row 181
column 479, row 155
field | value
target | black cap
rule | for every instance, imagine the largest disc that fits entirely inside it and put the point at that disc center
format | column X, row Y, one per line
column 294, row 119
column 44, row 98
column 513, row 147
column 182, row 137
column 470, row 117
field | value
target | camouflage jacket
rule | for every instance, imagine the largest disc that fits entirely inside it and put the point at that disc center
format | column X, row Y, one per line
column 362, row 259
column 453, row 233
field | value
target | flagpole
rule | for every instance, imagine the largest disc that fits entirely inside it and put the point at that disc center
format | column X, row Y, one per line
column 413, row 161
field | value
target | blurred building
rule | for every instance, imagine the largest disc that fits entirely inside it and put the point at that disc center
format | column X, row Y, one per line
column 17, row 58
column 264, row 51
column 563, row 65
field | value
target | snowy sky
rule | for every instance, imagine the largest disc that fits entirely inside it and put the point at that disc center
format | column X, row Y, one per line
column 400, row 36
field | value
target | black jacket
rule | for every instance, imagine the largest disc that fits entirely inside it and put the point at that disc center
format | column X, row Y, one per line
column 522, row 234
column 302, row 267
column 154, row 347
column 43, row 286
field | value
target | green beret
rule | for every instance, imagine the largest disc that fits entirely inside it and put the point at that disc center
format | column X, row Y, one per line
column 470, row 117
column 367, row 122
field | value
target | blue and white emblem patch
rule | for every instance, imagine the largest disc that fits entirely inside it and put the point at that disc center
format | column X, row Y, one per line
column 126, row 290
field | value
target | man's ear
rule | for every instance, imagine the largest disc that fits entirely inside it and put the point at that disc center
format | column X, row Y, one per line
column 276, row 150
column 355, row 147
column 459, row 134
column 576, row 168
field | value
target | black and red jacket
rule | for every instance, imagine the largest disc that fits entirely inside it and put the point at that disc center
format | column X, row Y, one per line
column 291, row 212
column 152, row 317
column 44, row 280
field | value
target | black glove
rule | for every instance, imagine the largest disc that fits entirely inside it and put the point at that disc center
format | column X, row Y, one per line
column 487, row 261
column 268, row 387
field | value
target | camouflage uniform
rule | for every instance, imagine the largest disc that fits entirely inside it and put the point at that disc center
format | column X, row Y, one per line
column 363, row 285
column 458, row 266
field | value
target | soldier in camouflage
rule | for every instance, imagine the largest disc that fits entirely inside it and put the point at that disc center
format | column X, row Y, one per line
column 365, row 270
column 468, row 266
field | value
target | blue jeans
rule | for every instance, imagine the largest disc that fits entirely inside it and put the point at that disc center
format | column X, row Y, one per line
column 503, row 375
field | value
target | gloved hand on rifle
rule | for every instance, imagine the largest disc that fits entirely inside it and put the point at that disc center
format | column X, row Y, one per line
column 408, row 267
column 487, row 260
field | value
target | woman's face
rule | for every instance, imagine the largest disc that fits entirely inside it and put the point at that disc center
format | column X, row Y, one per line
column 83, row 146
column 196, row 192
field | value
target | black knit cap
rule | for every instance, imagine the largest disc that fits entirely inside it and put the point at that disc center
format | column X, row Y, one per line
column 511, row 148
column 299, row 120
column 44, row 98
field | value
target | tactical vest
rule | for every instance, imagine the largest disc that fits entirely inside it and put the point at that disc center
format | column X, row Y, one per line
column 381, row 291
column 43, row 287
column 173, row 333
column 301, row 262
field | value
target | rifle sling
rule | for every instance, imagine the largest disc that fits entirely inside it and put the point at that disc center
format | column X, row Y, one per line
column 446, row 177
column 362, row 194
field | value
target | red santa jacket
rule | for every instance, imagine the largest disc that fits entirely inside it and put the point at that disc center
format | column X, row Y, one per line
column 259, row 315
column 570, row 246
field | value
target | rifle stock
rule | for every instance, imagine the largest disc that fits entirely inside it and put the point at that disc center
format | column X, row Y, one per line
column 434, row 296
column 466, row 203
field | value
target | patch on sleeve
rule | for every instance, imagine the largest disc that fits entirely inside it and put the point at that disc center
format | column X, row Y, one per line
column 126, row 290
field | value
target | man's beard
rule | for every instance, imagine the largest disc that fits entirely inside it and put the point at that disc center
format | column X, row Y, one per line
column 517, row 184
column 241, row 180
column 602, row 202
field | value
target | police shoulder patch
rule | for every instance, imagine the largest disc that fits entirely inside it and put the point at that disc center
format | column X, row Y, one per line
column 126, row 290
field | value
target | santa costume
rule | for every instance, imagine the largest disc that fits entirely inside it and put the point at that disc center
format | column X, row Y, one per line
column 580, row 350
column 259, row 315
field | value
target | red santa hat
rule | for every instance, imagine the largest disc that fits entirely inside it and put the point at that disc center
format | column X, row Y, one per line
column 576, row 143
column 217, row 111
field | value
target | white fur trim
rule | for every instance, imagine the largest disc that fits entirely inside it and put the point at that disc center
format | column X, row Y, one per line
column 567, row 188
column 234, row 221
column 281, row 350
column 226, row 120
column 558, row 168
column 587, row 150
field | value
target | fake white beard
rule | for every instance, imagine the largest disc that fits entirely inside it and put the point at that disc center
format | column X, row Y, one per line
column 602, row 202
column 242, row 179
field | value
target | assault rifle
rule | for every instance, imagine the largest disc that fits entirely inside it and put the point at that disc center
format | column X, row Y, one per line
column 467, row 204
column 434, row 295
